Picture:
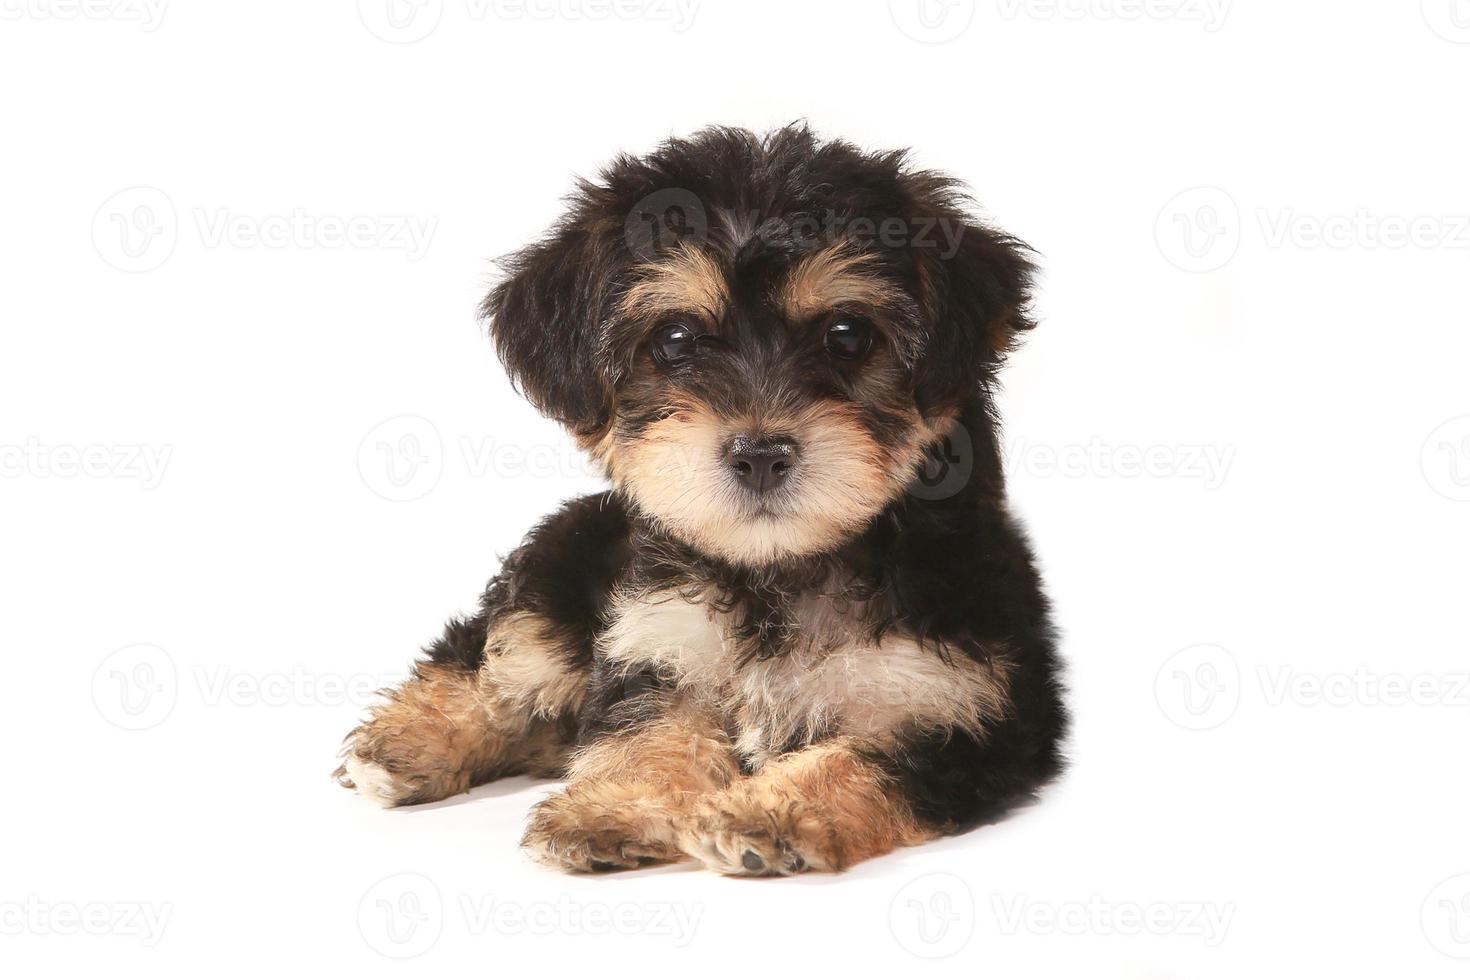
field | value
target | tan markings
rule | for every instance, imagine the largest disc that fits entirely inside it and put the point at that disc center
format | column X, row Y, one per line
column 823, row 808
column 675, row 472
column 835, row 278
column 628, row 796
column 526, row 666
column 438, row 734
column 835, row 681
column 688, row 280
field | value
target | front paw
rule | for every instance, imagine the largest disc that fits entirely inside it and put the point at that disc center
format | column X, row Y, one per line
column 393, row 767
column 738, row 835
column 372, row 780
column 585, row 834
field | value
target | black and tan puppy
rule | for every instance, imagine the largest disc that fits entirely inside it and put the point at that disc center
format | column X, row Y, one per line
column 802, row 628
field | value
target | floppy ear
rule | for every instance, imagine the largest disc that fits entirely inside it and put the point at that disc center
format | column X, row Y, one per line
column 975, row 294
column 545, row 318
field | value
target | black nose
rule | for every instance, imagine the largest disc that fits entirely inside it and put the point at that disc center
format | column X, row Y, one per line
column 761, row 464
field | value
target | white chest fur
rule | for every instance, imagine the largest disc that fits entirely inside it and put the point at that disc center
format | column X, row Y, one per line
column 834, row 682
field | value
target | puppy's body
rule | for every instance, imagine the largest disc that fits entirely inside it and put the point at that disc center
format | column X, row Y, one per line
column 802, row 629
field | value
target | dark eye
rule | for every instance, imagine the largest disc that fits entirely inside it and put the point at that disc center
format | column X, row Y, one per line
column 848, row 338
column 673, row 343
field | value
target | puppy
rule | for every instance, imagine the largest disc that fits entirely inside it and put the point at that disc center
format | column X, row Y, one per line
column 802, row 628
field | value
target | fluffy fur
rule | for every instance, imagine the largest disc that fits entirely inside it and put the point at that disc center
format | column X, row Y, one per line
column 855, row 658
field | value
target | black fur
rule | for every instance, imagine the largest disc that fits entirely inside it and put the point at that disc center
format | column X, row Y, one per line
column 955, row 572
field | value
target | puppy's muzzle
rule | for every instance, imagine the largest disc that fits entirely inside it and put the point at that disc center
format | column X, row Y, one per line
column 762, row 463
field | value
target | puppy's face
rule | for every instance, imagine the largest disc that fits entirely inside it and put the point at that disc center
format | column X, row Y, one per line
column 765, row 405
column 762, row 385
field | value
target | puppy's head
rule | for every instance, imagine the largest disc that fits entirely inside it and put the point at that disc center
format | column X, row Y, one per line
column 761, row 337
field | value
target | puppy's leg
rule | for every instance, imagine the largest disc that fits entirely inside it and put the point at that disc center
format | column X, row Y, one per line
column 451, row 727
column 821, row 808
column 500, row 692
column 629, row 794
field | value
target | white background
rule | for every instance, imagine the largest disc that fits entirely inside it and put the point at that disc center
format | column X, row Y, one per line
column 1241, row 439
